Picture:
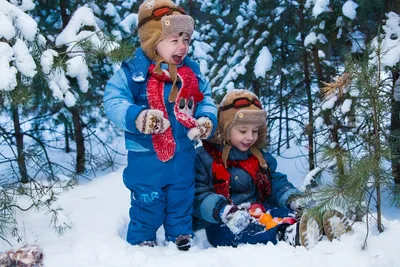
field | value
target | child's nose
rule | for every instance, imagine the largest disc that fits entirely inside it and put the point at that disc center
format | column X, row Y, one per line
column 182, row 45
column 249, row 136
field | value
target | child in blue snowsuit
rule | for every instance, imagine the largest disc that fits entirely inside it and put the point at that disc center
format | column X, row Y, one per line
column 164, row 105
column 232, row 175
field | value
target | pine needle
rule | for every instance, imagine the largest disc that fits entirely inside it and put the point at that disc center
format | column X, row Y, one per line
column 338, row 86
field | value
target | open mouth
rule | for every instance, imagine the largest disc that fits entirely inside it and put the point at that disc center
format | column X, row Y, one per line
column 177, row 59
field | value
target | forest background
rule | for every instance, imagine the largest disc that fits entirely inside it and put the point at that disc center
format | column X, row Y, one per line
column 327, row 72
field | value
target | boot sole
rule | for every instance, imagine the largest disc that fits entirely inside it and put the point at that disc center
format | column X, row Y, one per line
column 335, row 224
column 310, row 231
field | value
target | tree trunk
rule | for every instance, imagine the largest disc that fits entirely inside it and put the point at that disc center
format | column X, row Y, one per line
column 19, row 140
column 307, row 82
column 395, row 131
column 326, row 116
column 377, row 143
column 287, row 125
column 79, row 140
column 67, row 137
column 64, row 15
column 76, row 117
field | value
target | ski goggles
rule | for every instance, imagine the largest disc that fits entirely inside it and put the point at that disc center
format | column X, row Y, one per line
column 160, row 12
column 242, row 102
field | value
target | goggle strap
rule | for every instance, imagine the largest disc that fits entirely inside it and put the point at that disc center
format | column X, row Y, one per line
column 160, row 12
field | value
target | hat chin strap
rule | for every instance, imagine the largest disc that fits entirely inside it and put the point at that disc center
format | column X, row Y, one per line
column 225, row 153
column 173, row 70
column 257, row 153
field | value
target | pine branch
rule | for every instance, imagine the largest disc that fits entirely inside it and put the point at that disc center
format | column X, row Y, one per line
column 341, row 83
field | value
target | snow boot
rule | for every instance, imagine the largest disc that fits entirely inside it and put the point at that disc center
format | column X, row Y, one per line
column 310, row 231
column 183, row 242
column 26, row 256
column 335, row 224
column 148, row 244
column 305, row 233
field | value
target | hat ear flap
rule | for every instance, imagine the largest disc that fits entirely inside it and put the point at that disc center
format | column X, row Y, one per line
column 262, row 137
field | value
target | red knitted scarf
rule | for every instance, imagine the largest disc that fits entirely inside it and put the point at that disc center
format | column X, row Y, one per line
column 188, row 96
column 222, row 177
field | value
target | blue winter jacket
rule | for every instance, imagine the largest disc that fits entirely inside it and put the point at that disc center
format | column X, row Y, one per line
column 124, row 99
column 207, row 203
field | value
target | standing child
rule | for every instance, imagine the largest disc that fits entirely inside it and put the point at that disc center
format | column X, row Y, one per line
column 239, row 197
column 164, row 105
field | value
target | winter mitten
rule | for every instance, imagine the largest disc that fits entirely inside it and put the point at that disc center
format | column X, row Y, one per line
column 235, row 219
column 151, row 121
column 202, row 130
column 295, row 204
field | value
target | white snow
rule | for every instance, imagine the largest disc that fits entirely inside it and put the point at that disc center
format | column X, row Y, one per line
column 349, row 9
column 391, row 42
column 23, row 59
column 357, row 42
column 77, row 68
column 26, row 25
column 7, row 29
column 26, row 5
column 319, row 7
column 8, row 78
column 329, row 103
column 346, row 106
column 127, row 23
column 311, row 38
column 47, row 60
column 82, row 16
column 110, row 10
column 98, row 214
column 97, row 210
column 263, row 63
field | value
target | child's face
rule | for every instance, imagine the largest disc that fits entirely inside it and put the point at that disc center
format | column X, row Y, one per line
column 243, row 136
column 174, row 48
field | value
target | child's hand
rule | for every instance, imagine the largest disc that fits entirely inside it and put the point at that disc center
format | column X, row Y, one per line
column 202, row 130
column 296, row 205
column 151, row 121
column 235, row 219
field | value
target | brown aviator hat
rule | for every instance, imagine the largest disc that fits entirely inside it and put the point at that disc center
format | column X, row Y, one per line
column 157, row 19
column 241, row 106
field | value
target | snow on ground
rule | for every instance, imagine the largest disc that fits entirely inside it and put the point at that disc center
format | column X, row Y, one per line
column 98, row 211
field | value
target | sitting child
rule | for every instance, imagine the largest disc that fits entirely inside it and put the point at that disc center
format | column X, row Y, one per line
column 240, row 197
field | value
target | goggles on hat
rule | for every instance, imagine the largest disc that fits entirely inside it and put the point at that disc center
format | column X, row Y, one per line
column 160, row 12
column 242, row 102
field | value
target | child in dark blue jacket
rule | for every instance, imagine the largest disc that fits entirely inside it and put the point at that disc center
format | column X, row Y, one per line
column 164, row 105
column 240, row 197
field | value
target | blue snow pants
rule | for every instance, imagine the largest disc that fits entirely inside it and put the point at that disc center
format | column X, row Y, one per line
column 162, row 193
column 220, row 235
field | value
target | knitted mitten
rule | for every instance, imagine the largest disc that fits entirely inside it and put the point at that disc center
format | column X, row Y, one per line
column 202, row 130
column 235, row 219
column 151, row 121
